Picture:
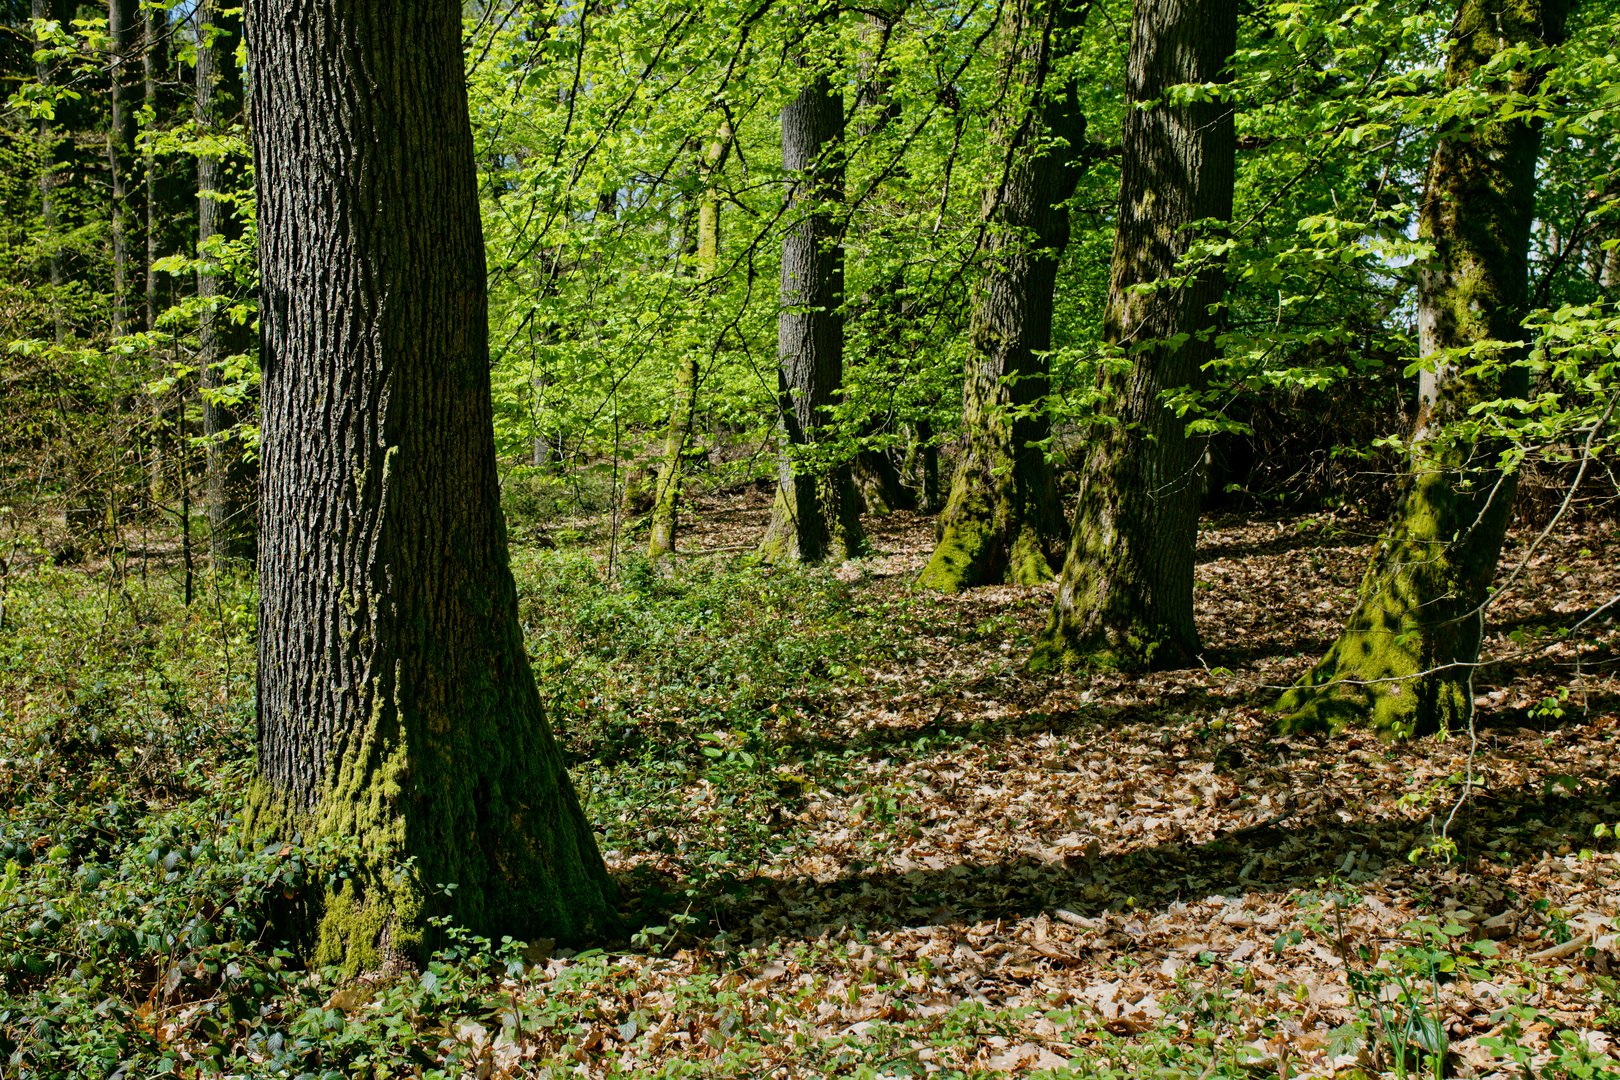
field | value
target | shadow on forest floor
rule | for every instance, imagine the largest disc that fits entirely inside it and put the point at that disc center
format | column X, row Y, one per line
column 1283, row 854
column 1246, row 547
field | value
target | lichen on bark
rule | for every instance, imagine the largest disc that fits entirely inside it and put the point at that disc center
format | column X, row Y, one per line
column 398, row 718
column 1002, row 521
column 1125, row 597
column 1403, row 663
column 815, row 516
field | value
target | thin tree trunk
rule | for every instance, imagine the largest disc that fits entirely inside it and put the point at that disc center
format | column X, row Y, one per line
column 230, row 474
column 123, row 33
column 396, row 707
column 1126, row 594
column 815, row 516
column 154, row 66
column 49, row 176
column 1003, row 521
column 922, row 458
column 666, row 493
column 877, row 478
column 1405, row 660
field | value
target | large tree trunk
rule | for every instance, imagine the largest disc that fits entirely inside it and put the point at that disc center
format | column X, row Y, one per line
column 1003, row 521
column 1405, row 660
column 230, row 473
column 667, row 491
column 1126, row 594
column 123, row 34
column 816, row 515
column 396, row 708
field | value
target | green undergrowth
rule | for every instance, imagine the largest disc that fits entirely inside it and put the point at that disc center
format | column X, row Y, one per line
column 137, row 926
column 698, row 705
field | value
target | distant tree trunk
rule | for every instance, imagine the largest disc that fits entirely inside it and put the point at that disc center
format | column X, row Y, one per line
column 1404, row 662
column 667, row 489
column 154, row 66
column 922, row 458
column 1126, row 594
column 123, row 33
column 50, row 175
column 230, row 475
column 881, row 486
column 815, row 517
column 396, row 707
column 1003, row 521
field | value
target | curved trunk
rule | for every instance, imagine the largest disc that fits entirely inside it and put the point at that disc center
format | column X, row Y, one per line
column 1126, row 594
column 396, row 710
column 667, row 491
column 815, row 516
column 1002, row 520
column 230, row 473
column 1405, row 660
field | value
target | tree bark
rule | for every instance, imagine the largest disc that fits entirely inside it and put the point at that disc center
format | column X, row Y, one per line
column 154, row 66
column 667, row 489
column 815, row 516
column 1125, row 598
column 1003, row 521
column 123, row 33
column 1405, row 660
column 878, row 480
column 230, row 472
column 50, row 175
column 396, row 710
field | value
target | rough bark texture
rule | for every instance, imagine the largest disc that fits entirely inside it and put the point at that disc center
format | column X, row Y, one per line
column 1126, row 594
column 878, row 482
column 396, row 708
column 1003, row 521
column 816, row 514
column 1404, row 660
column 231, row 476
column 667, row 492
column 123, row 37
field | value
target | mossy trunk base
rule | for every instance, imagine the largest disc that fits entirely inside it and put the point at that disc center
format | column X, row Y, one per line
column 1404, row 661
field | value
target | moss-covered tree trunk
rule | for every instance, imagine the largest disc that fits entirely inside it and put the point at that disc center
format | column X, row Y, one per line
column 1003, row 521
column 1404, row 662
column 816, row 514
column 678, row 435
column 397, row 713
column 221, row 340
column 1126, row 594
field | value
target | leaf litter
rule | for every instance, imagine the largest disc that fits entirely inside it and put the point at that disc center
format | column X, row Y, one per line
column 1015, row 874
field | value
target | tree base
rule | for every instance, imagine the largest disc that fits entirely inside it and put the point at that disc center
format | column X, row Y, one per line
column 1372, row 680
column 1134, row 651
column 971, row 552
column 831, row 531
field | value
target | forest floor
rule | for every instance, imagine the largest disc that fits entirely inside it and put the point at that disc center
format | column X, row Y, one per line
column 858, row 839
column 1089, row 858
